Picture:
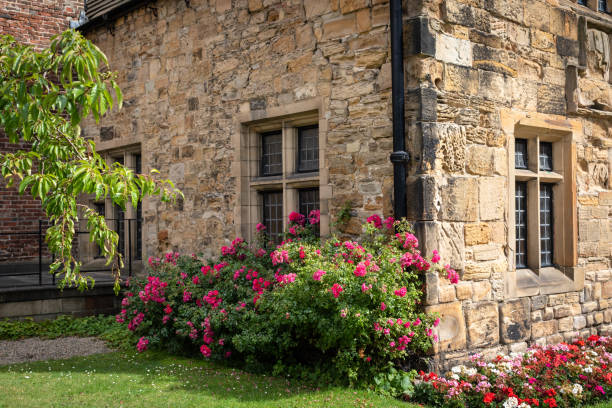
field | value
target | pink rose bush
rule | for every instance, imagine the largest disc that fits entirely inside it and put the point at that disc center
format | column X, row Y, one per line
column 560, row 375
column 346, row 311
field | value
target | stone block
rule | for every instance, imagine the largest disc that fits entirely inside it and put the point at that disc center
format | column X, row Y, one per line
column 460, row 199
column 492, row 198
column 554, row 339
column 464, row 290
column 515, row 320
column 536, row 316
column 480, row 160
column 446, row 294
column 510, row 9
column 460, row 79
column 348, row 6
column 458, row 13
column 566, row 324
column 431, row 288
column 477, row 234
column 452, row 146
column 486, row 252
column 589, row 307
column 549, row 313
column 482, row 291
column 339, row 27
column 579, row 322
column 482, row 324
column 538, row 302
column 451, row 330
column 453, row 50
column 517, row 347
column 476, row 271
column 315, row 8
column 562, row 311
column 543, row 329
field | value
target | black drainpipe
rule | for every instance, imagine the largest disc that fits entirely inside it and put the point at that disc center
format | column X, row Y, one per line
column 399, row 157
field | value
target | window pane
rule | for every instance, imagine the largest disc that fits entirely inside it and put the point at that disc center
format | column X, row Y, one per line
column 582, row 2
column 273, row 214
column 308, row 148
column 308, row 200
column 546, row 156
column 546, row 232
column 101, row 209
column 602, row 6
column 521, row 224
column 138, row 254
column 271, row 154
column 520, row 153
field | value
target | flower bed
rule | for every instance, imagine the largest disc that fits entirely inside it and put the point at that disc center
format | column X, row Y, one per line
column 561, row 375
column 332, row 310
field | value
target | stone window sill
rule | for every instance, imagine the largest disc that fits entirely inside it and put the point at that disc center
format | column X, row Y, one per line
column 549, row 280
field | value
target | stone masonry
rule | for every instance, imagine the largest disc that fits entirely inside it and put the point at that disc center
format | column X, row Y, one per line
column 478, row 74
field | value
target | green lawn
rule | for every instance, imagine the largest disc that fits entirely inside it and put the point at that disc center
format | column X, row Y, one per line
column 159, row 380
column 155, row 379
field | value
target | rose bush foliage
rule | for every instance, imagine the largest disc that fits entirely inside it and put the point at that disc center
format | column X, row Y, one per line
column 560, row 375
column 345, row 311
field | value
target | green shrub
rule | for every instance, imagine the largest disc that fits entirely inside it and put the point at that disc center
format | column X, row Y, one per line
column 344, row 312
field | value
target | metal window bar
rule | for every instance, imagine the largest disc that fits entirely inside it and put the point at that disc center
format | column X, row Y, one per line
column 273, row 214
column 546, row 225
column 520, row 153
column 271, row 154
column 308, row 149
column 34, row 270
column 520, row 194
column 546, row 160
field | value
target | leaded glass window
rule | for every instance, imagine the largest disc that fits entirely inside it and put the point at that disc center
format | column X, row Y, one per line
column 520, row 153
column 546, row 224
column 602, row 6
column 271, row 154
column 308, row 149
column 273, row 214
column 521, row 224
column 546, row 163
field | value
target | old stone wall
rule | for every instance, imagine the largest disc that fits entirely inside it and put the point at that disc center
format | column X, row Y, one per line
column 487, row 68
column 189, row 74
column 31, row 22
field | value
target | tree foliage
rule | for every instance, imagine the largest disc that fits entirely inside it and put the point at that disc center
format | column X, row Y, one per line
column 44, row 96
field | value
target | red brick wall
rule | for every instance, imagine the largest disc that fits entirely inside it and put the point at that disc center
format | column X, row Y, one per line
column 35, row 21
column 32, row 22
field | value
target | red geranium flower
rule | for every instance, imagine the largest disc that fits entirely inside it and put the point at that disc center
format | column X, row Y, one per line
column 488, row 398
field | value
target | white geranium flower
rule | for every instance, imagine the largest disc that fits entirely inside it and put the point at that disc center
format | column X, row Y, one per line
column 523, row 405
column 457, row 369
column 454, row 376
column 588, row 369
column 511, row 402
column 470, row 371
column 577, row 389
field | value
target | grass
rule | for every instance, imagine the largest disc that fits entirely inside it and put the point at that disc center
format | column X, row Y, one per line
column 155, row 379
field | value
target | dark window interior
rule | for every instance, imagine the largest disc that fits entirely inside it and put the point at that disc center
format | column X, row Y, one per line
column 101, row 210
column 273, row 214
column 138, row 254
column 271, row 154
column 308, row 149
column 602, row 6
column 521, row 224
column 520, row 153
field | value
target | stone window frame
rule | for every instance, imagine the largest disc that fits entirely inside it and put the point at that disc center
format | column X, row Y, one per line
column 288, row 118
column 128, row 154
column 564, row 276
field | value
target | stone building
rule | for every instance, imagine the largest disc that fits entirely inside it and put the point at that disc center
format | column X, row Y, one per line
column 256, row 108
